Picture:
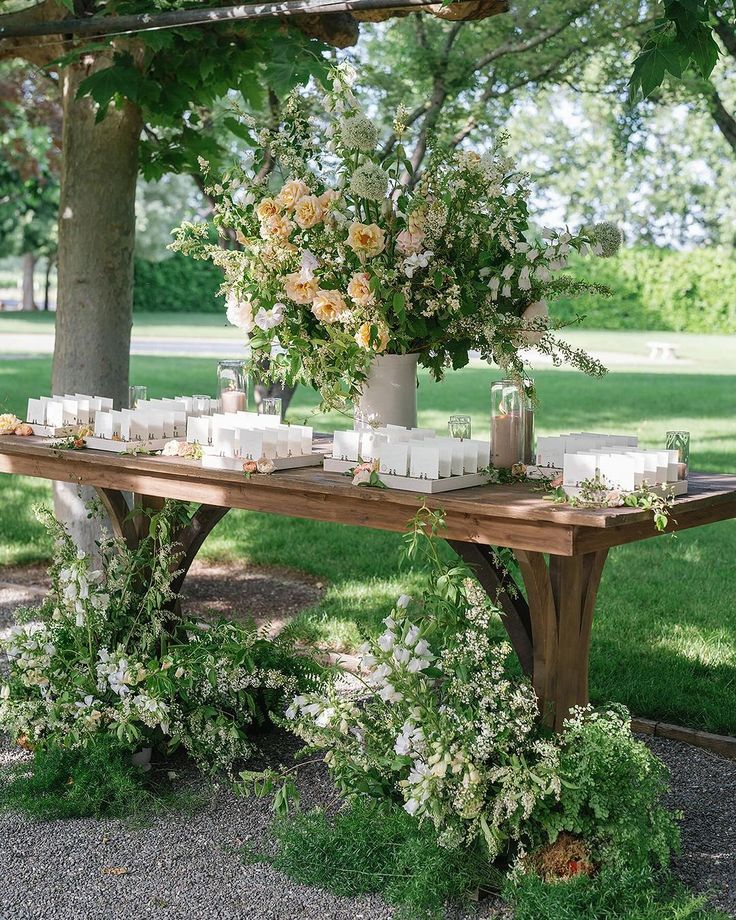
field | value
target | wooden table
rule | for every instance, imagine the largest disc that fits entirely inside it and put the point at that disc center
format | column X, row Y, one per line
column 550, row 631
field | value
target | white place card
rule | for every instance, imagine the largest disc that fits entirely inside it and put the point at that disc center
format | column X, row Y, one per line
column 470, row 457
column 295, row 441
column 55, row 413
column 251, row 443
column 224, row 441
column 371, row 443
column 577, row 468
column 346, row 445
column 457, row 454
column 282, row 441
column 270, row 443
column 445, row 450
column 82, row 408
column 618, row 471
column 307, row 432
column 199, row 429
column 103, row 425
column 484, row 453
column 425, row 460
column 36, row 412
column 395, row 458
column 133, row 428
column 70, row 410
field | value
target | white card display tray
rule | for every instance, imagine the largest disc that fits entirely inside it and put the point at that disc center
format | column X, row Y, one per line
column 670, row 488
column 119, row 447
column 213, row 461
column 425, row 486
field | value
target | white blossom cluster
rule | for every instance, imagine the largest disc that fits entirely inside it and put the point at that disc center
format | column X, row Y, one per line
column 94, row 660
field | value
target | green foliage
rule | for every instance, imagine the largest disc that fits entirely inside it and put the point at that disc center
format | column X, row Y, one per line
column 680, row 40
column 97, row 781
column 366, row 849
column 658, row 289
column 178, row 285
column 612, row 894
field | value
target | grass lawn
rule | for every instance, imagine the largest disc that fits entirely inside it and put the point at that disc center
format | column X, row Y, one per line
column 664, row 641
column 145, row 325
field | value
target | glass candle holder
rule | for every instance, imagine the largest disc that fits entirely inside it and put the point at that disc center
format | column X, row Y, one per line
column 271, row 405
column 459, row 426
column 135, row 394
column 232, row 386
column 680, row 441
column 529, row 457
column 507, row 424
column 201, row 405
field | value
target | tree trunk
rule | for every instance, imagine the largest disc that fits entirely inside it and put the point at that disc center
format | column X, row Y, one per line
column 47, row 284
column 29, row 264
column 95, row 262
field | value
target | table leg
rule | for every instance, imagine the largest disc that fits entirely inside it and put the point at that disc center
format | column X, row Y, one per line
column 499, row 585
column 132, row 527
column 562, row 598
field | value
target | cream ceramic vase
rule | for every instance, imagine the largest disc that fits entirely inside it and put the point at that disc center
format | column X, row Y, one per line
column 389, row 395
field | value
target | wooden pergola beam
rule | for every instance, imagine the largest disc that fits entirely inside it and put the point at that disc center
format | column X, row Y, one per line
column 147, row 22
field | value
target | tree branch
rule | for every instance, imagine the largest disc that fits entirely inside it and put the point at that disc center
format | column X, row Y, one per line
column 724, row 120
column 39, row 53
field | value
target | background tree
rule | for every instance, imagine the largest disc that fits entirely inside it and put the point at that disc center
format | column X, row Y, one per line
column 30, row 138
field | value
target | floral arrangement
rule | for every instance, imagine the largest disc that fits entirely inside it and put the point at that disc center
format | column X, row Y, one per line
column 443, row 730
column 11, row 424
column 107, row 655
column 346, row 254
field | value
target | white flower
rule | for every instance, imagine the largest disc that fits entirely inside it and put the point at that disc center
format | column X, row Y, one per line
column 402, row 655
column 412, row 806
column 508, row 271
column 269, row 319
column 386, row 641
column 524, row 282
column 324, row 717
column 415, row 261
column 412, row 636
column 358, row 132
column 543, row 273
column 403, row 601
column 417, row 664
column 390, row 694
column 369, row 181
column 422, row 649
column 312, row 709
column 240, row 312
column 362, row 478
column 307, row 266
column 389, row 622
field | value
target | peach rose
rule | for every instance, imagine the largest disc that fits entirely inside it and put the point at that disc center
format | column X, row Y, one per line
column 328, row 306
column 417, row 220
column 328, row 197
column 408, row 242
column 276, row 226
column 290, row 193
column 359, row 289
column 24, row 430
column 299, row 290
column 8, row 423
column 366, row 240
column 267, row 208
column 249, row 467
column 363, row 337
column 308, row 211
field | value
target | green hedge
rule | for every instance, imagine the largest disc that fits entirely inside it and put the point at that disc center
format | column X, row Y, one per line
column 658, row 289
column 652, row 289
column 177, row 284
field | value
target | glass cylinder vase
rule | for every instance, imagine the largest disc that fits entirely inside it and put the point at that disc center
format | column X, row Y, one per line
column 529, row 457
column 232, row 386
column 507, row 424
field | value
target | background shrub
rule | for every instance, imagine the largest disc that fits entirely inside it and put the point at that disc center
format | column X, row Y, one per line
column 658, row 289
column 177, row 285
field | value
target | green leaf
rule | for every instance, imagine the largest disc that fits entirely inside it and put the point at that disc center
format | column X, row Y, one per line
column 121, row 79
column 704, row 50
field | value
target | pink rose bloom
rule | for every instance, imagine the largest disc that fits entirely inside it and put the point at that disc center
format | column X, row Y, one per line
column 615, row 499
column 362, row 477
column 408, row 242
column 556, row 482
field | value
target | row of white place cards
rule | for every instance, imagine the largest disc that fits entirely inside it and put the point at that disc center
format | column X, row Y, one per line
column 551, row 451
column 49, row 415
column 412, row 458
column 227, row 439
column 625, row 470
